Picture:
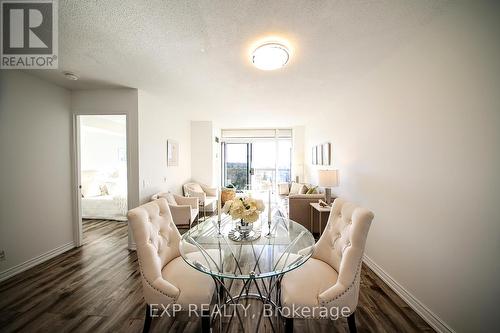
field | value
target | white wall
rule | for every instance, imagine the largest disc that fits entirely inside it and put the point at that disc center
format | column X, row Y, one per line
column 298, row 133
column 216, row 152
column 160, row 121
column 35, row 168
column 417, row 141
column 100, row 144
column 202, row 153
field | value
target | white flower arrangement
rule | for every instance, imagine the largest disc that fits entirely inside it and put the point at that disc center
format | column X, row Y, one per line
column 246, row 209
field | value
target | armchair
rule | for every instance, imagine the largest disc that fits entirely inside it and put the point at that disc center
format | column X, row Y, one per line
column 166, row 278
column 207, row 195
column 330, row 279
column 184, row 209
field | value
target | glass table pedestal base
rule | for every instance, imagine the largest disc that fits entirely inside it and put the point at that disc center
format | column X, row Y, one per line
column 248, row 273
column 232, row 302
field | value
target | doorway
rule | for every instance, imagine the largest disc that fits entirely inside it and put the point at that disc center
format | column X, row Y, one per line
column 101, row 144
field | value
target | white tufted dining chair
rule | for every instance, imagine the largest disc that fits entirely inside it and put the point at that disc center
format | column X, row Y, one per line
column 166, row 278
column 329, row 281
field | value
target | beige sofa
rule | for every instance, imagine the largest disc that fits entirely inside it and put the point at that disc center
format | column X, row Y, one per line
column 299, row 208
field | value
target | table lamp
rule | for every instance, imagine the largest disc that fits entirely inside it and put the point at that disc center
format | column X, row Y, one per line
column 328, row 179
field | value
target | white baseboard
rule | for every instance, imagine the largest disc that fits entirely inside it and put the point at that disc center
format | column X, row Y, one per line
column 433, row 320
column 35, row 261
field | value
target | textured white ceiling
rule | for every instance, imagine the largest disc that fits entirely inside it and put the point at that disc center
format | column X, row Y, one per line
column 196, row 52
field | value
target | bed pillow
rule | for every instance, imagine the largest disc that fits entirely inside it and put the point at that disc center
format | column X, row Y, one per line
column 104, row 189
column 93, row 189
column 117, row 187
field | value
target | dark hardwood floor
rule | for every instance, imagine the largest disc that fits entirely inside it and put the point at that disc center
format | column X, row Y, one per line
column 97, row 288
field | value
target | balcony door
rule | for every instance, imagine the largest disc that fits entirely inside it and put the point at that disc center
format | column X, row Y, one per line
column 263, row 164
column 258, row 164
column 236, row 160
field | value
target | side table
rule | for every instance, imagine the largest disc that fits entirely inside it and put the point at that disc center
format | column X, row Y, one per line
column 321, row 210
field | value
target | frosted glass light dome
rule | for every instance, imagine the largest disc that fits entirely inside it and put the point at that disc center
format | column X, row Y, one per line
column 270, row 56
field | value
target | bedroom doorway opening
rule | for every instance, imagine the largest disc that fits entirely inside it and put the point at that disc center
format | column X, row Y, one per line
column 102, row 172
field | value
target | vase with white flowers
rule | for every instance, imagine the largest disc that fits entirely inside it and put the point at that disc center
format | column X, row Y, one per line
column 247, row 211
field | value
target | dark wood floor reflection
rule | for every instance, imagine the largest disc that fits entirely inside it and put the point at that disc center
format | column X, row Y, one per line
column 97, row 288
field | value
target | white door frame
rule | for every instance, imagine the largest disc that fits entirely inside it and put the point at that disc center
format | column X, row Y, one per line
column 76, row 183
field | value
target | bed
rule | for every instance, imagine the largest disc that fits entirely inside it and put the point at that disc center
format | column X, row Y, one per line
column 106, row 207
column 104, row 196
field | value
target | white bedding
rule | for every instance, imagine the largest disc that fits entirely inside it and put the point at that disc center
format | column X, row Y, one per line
column 109, row 207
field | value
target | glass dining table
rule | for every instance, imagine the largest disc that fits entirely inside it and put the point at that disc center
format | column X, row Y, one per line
column 247, row 269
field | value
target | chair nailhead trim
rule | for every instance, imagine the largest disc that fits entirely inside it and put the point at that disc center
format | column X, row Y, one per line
column 356, row 277
column 153, row 287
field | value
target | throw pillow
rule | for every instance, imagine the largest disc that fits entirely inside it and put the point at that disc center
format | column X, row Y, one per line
column 170, row 198
column 283, row 189
column 312, row 190
column 296, row 188
column 194, row 187
column 304, row 189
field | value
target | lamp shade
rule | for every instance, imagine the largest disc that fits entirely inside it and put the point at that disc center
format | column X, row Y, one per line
column 328, row 178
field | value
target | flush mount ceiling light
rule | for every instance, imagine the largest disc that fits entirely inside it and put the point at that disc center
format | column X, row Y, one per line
column 270, row 56
column 71, row 76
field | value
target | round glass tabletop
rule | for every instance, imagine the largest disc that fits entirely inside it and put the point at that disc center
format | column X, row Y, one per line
column 287, row 247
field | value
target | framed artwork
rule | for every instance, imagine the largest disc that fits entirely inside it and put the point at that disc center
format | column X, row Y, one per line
column 320, row 154
column 172, row 153
column 314, row 156
column 326, row 153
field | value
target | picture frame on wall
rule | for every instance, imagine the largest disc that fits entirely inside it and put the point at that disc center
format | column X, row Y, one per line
column 172, row 153
column 320, row 154
column 314, row 155
column 326, row 153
